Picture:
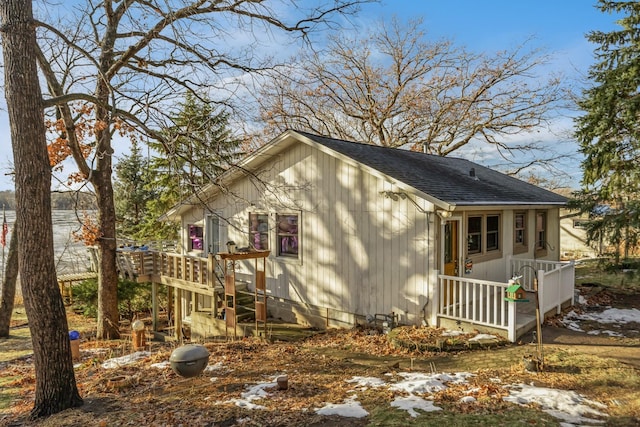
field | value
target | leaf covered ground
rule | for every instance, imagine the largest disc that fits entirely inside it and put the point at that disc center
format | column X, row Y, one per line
column 329, row 371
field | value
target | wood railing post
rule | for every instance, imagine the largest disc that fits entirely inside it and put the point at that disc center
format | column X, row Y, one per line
column 542, row 291
column 210, row 270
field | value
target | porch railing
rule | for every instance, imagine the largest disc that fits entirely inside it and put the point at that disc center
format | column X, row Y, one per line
column 476, row 301
column 197, row 270
column 529, row 269
column 482, row 302
column 556, row 287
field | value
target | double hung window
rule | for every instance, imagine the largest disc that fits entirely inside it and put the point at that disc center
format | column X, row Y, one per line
column 259, row 231
column 287, row 235
column 483, row 234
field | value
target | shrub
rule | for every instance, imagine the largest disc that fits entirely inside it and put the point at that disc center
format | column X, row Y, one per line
column 133, row 297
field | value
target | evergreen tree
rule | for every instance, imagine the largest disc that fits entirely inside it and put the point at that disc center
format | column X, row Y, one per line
column 608, row 131
column 130, row 192
column 200, row 147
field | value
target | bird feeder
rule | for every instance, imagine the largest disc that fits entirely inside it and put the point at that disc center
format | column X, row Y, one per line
column 516, row 293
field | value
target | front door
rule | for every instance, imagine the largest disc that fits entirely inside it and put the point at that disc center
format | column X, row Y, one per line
column 450, row 255
column 451, row 248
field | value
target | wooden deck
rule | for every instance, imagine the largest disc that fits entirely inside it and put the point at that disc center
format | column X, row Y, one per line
column 66, row 281
column 211, row 276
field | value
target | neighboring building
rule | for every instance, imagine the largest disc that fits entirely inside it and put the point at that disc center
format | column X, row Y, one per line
column 573, row 236
column 357, row 231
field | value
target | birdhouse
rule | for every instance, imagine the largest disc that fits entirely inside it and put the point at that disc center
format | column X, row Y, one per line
column 516, row 293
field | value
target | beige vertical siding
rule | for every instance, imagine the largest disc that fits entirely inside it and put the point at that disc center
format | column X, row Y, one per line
column 361, row 253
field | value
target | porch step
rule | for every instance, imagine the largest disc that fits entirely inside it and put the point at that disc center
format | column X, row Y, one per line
column 526, row 323
column 245, row 305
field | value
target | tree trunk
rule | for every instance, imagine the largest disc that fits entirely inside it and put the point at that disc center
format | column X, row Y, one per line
column 108, row 316
column 56, row 387
column 8, row 294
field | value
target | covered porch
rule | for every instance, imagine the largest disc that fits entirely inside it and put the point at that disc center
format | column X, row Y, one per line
column 481, row 304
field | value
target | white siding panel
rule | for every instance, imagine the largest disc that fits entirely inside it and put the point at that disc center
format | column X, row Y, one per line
column 360, row 252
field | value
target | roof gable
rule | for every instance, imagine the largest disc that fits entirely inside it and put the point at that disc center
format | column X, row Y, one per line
column 452, row 180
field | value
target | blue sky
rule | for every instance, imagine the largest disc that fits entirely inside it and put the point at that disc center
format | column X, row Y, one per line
column 558, row 26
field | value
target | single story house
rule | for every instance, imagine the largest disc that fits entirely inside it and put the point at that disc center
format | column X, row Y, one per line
column 356, row 232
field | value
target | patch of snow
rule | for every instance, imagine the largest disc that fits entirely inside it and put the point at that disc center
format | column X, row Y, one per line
column 351, row 408
column 99, row 350
column 246, row 404
column 483, row 337
column 613, row 316
column 574, row 326
column 416, row 382
column 450, row 333
column 127, row 359
column 411, row 403
column 568, row 406
column 161, row 365
column 617, row 315
column 468, row 399
column 610, row 333
column 218, row 366
column 255, row 392
column 367, row 382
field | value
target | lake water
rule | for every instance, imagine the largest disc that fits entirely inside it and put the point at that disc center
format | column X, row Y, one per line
column 70, row 256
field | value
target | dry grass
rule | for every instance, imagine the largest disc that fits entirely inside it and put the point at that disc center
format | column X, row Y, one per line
column 140, row 395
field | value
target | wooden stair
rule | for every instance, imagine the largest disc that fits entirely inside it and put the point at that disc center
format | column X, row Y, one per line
column 245, row 303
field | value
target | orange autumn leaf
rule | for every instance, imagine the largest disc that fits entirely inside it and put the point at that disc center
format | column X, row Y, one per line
column 89, row 232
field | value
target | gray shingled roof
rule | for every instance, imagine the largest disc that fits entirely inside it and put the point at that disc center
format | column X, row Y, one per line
column 445, row 178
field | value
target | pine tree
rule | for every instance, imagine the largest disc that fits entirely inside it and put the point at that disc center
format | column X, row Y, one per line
column 608, row 131
column 201, row 147
column 130, row 192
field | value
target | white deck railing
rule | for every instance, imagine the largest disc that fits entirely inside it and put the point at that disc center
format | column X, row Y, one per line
column 476, row 301
column 556, row 287
column 482, row 302
column 528, row 269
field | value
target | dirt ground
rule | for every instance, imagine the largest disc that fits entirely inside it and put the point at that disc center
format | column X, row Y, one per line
column 318, row 369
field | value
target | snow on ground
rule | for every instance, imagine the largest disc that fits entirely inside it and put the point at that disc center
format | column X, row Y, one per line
column 613, row 316
column 351, row 408
column 254, row 392
column 412, row 402
column 415, row 389
column 127, row 359
column 483, row 337
column 161, row 365
column 567, row 406
column 452, row 333
column 412, row 393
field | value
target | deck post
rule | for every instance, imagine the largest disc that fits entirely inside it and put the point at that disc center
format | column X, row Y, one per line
column 154, row 306
column 435, row 299
column 178, row 313
column 211, row 267
column 541, row 295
